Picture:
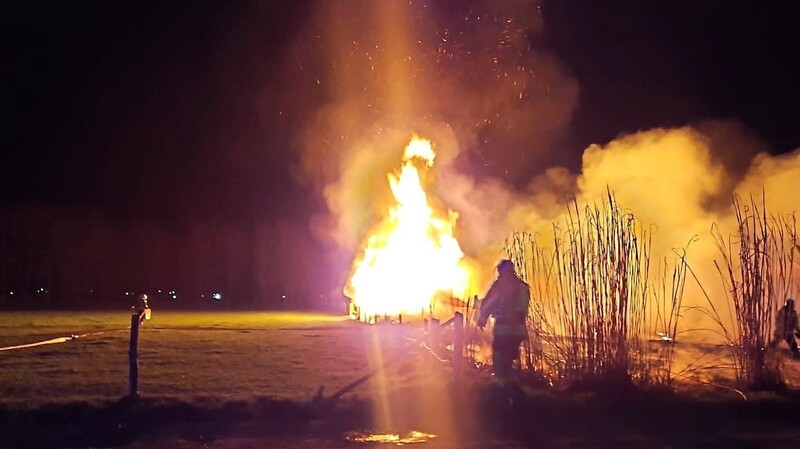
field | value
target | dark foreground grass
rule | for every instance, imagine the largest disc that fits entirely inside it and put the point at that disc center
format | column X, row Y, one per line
column 117, row 423
column 485, row 417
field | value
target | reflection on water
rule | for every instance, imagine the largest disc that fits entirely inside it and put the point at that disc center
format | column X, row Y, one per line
column 392, row 438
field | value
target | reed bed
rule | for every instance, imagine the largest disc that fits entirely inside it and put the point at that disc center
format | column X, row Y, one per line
column 601, row 314
column 664, row 314
column 758, row 272
column 594, row 316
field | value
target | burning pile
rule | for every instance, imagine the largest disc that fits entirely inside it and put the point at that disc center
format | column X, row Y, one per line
column 412, row 256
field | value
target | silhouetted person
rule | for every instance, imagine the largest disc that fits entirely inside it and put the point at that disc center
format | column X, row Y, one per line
column 507, row 301
column 786, row 327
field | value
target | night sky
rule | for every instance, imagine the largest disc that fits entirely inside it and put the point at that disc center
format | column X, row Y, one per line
column 670, row 63
column 142, row 109
column 170, row 112
column 244, row 146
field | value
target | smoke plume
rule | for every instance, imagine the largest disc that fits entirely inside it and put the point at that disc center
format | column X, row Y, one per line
column 471, row 78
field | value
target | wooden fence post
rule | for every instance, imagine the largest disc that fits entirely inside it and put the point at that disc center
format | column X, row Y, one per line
column 458, row 344
column 435, row 332
column 133, row 357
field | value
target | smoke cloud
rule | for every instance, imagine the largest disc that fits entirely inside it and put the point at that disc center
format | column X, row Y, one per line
column 681, row 182
column 471, row 78
column 465, row 76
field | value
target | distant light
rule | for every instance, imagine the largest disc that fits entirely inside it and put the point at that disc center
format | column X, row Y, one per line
column 283, row 296
column 159, row 290
column 202, row 296
column 11, row 293
column 174, row 296
column 217, row 296
column 91, row 291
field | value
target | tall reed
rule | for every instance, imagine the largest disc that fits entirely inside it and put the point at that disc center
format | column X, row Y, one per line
column 758, row 272
column 590, row 320
column 666, row 305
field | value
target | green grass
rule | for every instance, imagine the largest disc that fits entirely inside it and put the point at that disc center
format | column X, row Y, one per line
column 229, row 355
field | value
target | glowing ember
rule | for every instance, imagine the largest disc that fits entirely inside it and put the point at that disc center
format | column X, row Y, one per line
column 413, row 255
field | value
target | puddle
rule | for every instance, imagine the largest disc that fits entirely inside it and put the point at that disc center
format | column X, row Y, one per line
column 390, row 438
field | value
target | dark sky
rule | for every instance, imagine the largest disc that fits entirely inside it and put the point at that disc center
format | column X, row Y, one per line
column 146, row 110
column 667, row 63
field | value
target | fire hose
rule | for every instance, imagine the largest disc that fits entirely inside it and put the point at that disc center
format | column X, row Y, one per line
column 57, row 340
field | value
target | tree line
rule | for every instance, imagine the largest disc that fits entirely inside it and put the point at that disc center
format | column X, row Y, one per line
column 63, row 258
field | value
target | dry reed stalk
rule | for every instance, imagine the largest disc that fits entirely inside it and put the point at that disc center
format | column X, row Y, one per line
column 758, row 272
column 590, row 296
column 594, row 312
column 663, row 317
column 602, row 292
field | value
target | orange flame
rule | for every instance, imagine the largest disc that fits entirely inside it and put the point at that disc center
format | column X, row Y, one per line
column 413, row 255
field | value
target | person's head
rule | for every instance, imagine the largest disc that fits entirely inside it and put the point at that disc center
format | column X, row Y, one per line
column 505, row 268
column 789, row 304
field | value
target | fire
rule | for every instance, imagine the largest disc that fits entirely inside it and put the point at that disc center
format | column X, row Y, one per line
column 412, row 256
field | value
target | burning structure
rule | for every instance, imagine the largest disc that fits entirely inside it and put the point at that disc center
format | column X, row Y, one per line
column 412, row 256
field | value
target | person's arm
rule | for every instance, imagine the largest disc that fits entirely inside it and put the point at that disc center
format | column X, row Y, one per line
column 489, row 304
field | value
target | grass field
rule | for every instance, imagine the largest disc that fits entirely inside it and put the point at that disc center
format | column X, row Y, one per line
column 229, row 356
column 216, row 366
column 238, row 380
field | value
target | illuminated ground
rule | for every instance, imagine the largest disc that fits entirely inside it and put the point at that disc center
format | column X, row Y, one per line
column 236, row 380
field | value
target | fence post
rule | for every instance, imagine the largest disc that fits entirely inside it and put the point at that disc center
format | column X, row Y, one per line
column 141, row 312
column 458, row 344
column 435, row 331
column 133, row 357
